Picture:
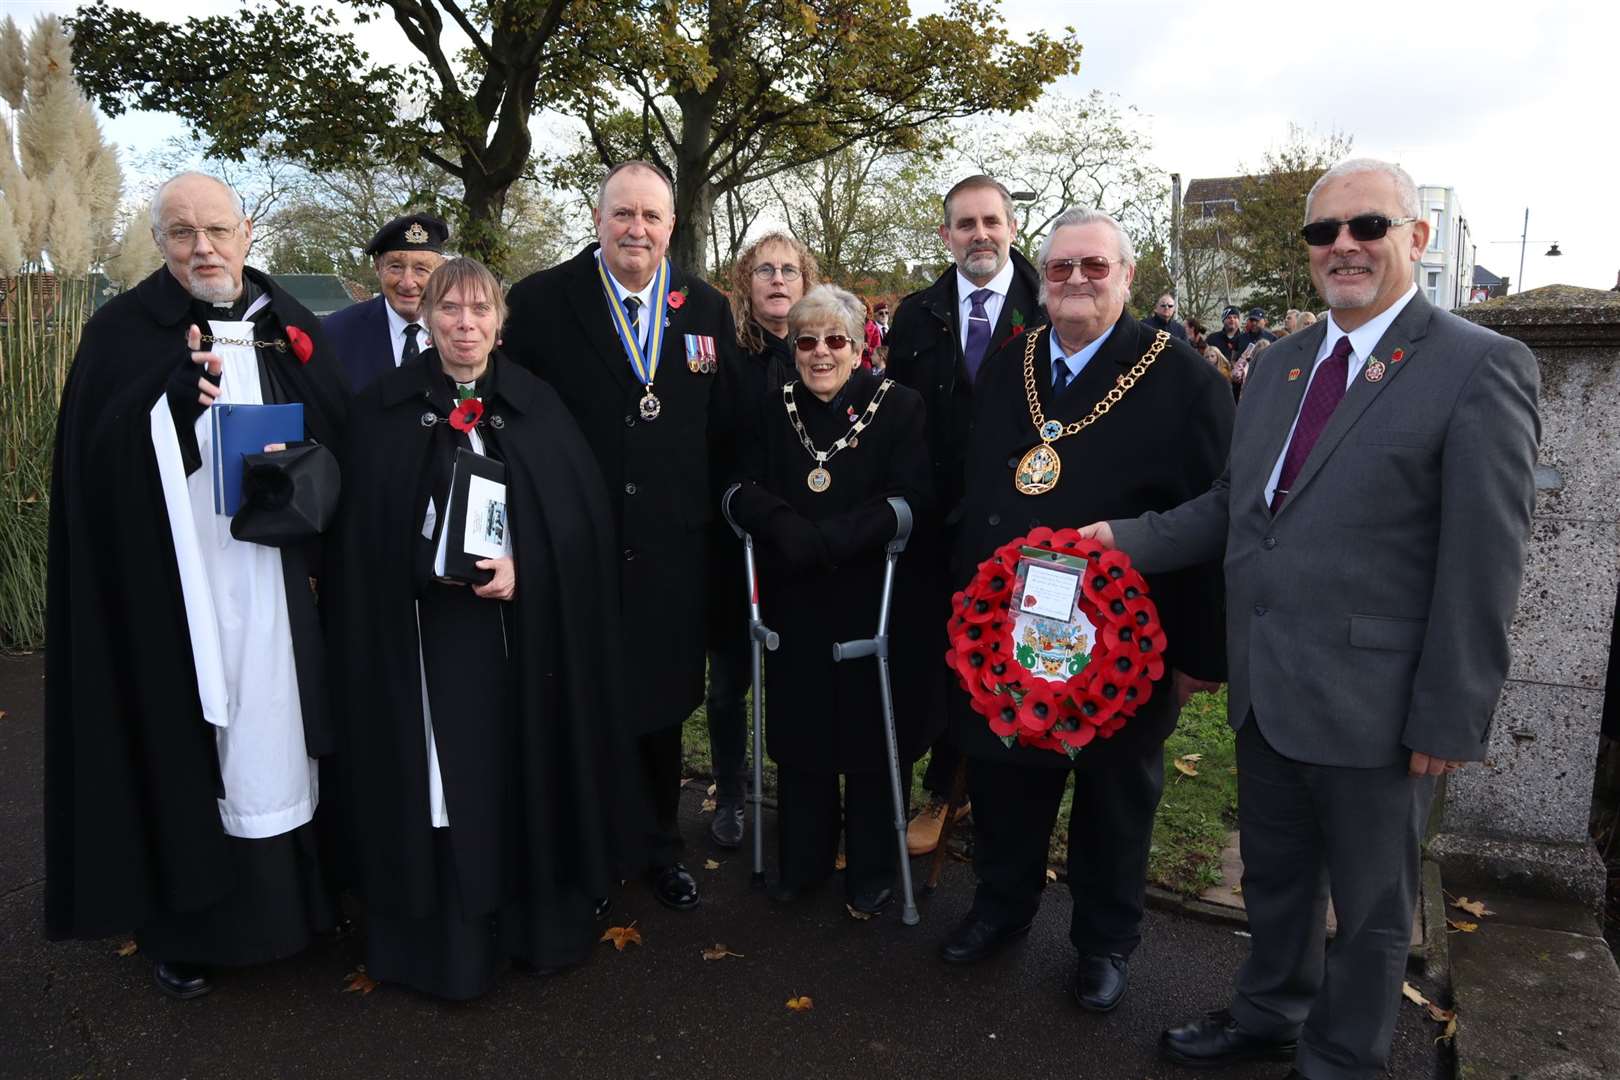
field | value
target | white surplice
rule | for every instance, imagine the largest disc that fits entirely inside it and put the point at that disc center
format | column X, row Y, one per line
column 236, row 612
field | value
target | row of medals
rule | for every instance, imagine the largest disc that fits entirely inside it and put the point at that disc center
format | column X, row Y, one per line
column 650, row 406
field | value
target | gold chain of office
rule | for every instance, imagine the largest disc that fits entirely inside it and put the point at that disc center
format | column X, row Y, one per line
column 820, row 479
column 1037, row 472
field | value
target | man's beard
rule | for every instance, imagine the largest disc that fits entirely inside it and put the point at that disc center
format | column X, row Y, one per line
column 213, row 290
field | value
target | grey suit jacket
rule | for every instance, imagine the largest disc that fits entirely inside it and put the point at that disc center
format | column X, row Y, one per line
column 1369, row 617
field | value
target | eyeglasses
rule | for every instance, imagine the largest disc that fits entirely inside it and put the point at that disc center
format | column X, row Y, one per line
column 185, row 235
column 808, row 342
column 766, row 271
column 1092, row 267
column 1165, row 306
column 1363, row 227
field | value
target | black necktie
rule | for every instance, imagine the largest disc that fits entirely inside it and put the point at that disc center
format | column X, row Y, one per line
column 632, row 313
column 411, row 351
column 1060, row 375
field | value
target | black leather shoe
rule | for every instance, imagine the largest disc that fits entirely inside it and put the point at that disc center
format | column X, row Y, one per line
column 726, row 830
column 180, row 981
column 1100, row 981
column 974, row 939
column 869, row 905
column 1215, row 1039
column 675, row 887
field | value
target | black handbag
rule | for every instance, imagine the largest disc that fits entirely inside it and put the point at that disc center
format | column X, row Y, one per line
column 288, row 496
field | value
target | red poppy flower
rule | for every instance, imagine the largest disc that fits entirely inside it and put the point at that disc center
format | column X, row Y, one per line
column 1003, row 718
column 464, row 417
column 676, row 299
column 1076, row 736
column 302, row 347
column 1038, row 711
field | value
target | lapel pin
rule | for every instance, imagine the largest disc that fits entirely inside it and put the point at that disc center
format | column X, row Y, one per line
column 1397, row 356
column 1375, row 370
column 1293, row 374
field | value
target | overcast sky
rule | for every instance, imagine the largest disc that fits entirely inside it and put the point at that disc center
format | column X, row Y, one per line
column 1511, row 104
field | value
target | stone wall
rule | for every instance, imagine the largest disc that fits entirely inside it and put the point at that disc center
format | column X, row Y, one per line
column 1522, row 818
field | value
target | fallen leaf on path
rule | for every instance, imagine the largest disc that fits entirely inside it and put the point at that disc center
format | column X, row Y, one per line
column 710, row 864
column 1439, row 1015
column 719, row 952
column 1449, row 1033
column 1051, row 874
column 708, row 806
column 1476, row 908
column 1413, row 994
column 840, row 862
column 1237, row 890
column 712, row 789
column 1194, row 758
column 800, row 1004
column 1462, row 924
column 360, row 982
column 1186, row 767
column 128, row 948
column 621, row 936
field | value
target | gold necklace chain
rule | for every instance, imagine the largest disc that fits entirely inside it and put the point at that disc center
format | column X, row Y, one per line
column 823, row 456
column 1049, row 430
column 281, row 345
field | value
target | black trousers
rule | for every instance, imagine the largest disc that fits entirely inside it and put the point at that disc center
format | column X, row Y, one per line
column 1110, row 831
column 660, row 754
column 943, row 758
column 1308, row 831
column 809, row 820
column 729, row 680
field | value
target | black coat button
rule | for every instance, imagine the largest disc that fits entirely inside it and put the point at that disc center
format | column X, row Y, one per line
column 629, row 489
column 1034, row 523
column 629, row 554
column 1259, row 609
column 1012, row 462
column 994, row 519
column 1269, row 542
column 629, row 421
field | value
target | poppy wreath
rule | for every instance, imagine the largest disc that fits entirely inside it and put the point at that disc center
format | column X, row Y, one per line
column 1024, row 709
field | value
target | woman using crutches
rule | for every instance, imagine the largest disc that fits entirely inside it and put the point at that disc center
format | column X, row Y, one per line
column 821, row 458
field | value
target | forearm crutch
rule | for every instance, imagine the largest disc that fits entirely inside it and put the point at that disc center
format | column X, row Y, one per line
column 878, row 646
column 760, row 638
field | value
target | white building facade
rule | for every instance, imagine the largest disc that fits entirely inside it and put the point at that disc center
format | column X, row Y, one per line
column 1446, row 271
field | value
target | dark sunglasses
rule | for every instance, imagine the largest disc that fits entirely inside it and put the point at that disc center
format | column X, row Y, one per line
column 808, row 342
column 1363, row 227
column 1092, row 267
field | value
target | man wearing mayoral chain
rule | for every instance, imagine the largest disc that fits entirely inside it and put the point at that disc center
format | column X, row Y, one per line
column 1094, row 411
column 185, row 690
column 642, row 354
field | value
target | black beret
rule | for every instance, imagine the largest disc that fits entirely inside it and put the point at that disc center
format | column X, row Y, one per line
column 413, row 232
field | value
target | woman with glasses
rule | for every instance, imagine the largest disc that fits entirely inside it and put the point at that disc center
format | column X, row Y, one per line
column 485, row 753
column 824, row 453
column 769, row 277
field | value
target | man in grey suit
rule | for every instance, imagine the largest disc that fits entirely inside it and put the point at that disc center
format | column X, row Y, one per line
column 1373, row 516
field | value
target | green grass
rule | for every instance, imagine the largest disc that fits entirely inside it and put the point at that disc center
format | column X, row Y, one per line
column 1195, row 815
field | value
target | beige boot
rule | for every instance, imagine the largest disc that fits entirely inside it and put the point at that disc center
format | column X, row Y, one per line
column 922, row 835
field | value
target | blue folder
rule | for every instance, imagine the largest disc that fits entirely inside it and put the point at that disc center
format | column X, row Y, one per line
column 247, row 429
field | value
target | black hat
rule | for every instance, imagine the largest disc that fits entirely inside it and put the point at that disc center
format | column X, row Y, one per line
column 1230, row 311
column 1257, row 314
column 413, row 232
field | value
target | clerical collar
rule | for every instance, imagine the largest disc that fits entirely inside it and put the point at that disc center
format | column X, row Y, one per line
column 231, row 310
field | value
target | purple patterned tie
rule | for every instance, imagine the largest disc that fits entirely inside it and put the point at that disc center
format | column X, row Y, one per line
column 978, row 335
column 1325, row 393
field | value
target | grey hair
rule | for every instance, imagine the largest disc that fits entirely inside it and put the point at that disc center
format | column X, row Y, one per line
column 1405, row 190
column 626, row 166
column 469, row 275
column 1085, row 215
column 156, row 212
column 829, row 304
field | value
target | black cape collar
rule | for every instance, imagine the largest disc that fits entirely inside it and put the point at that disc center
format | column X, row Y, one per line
column 427, row 380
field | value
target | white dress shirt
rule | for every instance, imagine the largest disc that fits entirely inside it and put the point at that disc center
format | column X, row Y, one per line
column 1363, row 339
column 998, row 287
column 1077, row 360
column 396, row 333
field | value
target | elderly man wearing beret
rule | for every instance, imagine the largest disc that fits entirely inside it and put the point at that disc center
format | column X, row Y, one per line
column 387, row 330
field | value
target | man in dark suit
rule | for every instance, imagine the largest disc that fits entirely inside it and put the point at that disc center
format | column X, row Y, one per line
column 939, row 343
column 1373, row 518
column 1162, row 439
column 387, row 330
column 1164, row 318
column 643, row 355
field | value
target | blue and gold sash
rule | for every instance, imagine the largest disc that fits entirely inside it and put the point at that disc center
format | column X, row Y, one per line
column 644, row 363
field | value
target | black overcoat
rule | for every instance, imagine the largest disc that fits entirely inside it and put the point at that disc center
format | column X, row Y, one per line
column 659, row 484
column 563, row 824
column 1163, row 443
column 131, row 769
column 820, row 715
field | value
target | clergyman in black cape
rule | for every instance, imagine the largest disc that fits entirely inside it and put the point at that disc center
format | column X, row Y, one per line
column 185, row 690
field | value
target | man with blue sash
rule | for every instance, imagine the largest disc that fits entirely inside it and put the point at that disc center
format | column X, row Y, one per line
column 643, row 354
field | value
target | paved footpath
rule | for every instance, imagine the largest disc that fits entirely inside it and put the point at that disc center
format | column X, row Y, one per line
column 883, row 1004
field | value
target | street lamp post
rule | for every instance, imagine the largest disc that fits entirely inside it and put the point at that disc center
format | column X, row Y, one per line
column 1524, row 241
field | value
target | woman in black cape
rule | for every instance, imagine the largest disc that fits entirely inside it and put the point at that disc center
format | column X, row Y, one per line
column 483, row 734
column 821, row 526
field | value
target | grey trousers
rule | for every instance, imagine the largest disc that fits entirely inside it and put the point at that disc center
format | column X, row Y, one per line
column 1308, row 832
